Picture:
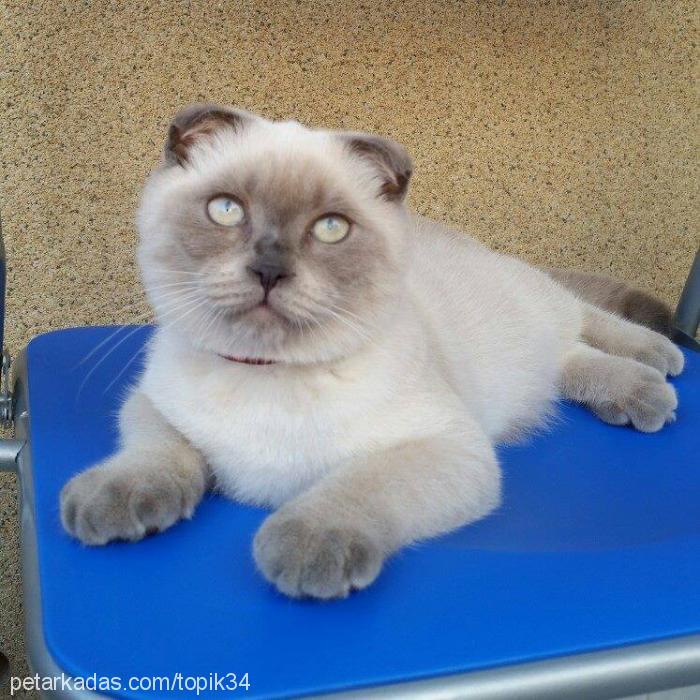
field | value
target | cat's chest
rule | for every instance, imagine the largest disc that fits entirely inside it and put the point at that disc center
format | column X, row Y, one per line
column 267, row 435
column 265, row 422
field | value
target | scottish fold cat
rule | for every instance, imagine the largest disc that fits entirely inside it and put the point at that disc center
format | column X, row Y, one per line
column 324, row 352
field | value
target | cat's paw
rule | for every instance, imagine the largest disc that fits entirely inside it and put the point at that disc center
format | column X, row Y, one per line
column 657, row 351
column 646, row 400
column 303, row 558
column 117, row 501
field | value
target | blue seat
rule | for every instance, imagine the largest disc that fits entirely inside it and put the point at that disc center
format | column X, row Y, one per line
column 596, row 546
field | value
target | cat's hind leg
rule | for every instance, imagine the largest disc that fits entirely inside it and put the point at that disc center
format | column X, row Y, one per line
column 617, row 296
column 616, row 336
column 619, row 390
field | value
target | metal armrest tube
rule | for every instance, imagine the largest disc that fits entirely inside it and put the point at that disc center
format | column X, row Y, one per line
column 687, row 316
column 9, row 451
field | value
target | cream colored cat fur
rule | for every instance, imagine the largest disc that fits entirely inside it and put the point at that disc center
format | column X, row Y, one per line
column 358, row 387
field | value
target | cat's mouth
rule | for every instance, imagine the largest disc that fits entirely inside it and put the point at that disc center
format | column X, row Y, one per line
column 268, row 312
column 265, row 311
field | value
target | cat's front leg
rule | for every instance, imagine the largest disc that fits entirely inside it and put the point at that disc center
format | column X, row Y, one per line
column 156, row 479
column 616, row 336
column 619, row 390
column 335, row 537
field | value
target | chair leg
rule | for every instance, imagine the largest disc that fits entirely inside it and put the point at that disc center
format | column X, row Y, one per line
column 688, row 311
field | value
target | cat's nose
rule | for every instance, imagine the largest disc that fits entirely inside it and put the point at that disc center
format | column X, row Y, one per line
column 269, row 275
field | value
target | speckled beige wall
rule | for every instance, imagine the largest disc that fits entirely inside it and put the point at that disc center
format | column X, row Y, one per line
column 564, row 132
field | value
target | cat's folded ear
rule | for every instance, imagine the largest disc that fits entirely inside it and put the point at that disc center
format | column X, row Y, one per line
column 391, row 160
column 199, row 121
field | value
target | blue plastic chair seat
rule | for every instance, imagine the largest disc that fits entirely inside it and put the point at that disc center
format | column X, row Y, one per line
column 597, row 545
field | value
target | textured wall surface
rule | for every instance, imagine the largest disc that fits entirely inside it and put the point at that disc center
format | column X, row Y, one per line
column 564, row 132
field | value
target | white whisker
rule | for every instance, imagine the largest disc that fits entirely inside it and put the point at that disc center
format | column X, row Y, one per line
column 118, row 330
column 187, row 304
column 183, row 283
column 104, row 357
column 197, row 273
column 123, row 369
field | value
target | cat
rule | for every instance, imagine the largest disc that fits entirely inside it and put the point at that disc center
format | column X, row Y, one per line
column 324, row 352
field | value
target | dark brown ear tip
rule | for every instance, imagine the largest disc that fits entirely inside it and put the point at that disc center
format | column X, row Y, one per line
column 389, row 157
column 173, row 134
column 398, row 189
column 173, row 151
column 193, row 111
column 196, row 121
column 200, row 112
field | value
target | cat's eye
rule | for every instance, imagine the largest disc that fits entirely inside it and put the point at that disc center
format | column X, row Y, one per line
column 225, row 211
column 331, row 228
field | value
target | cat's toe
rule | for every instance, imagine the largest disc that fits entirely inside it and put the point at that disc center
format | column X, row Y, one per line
column 650, row 405
column 612, row 413
column 104, row 504
column 661, row 354
column 307, row 560
column 676, row 359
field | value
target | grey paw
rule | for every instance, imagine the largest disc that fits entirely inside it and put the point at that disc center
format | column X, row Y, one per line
column 648, row 403
column 117, row 501
column 305, row 559
column 660, row 353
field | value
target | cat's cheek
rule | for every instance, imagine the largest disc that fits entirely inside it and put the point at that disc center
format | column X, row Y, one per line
column 203, row 246
column 359, row 272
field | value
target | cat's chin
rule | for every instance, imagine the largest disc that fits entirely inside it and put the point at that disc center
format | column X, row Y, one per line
column 264, row 335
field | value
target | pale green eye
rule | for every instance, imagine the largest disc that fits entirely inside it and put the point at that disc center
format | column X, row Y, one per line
column 225, row 211
column 331, row 229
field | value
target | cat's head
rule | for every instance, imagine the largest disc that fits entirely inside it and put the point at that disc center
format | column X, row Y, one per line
column 271, row 240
